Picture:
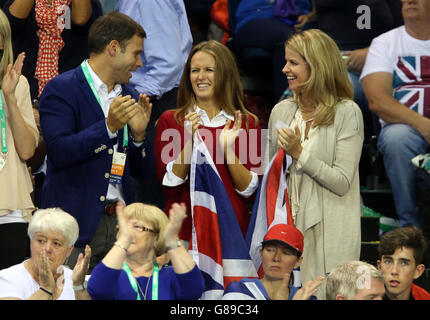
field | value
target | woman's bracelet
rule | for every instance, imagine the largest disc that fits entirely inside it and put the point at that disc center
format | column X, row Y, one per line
column 174, row 245
column 47, row 291
column 119, row 245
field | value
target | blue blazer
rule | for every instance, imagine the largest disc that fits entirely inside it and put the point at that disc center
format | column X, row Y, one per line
column 79, row 152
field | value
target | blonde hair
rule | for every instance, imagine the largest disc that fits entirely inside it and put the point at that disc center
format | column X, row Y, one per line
column 5, row 32
column 345, row 279
column 153, row 215
column 228, row 88
column 328, row 80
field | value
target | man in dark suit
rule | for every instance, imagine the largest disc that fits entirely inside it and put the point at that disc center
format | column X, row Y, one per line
column 94, row 126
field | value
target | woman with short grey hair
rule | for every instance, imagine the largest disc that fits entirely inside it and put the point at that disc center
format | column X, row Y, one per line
column 52, row 233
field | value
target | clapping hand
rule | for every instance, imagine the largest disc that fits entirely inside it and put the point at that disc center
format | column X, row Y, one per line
column 228, row 135
column 11, row 77
column 177, row 214
column 138, row 122
column 121, row 110
column 290, row 141
column 192, row 122
column 125, row 233
column 46, row 278
column 81, row 267
column 308, row 289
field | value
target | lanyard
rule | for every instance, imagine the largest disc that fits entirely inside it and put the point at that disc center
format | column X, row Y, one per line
column 90, row 81
column 134, row 284
column 3, row 125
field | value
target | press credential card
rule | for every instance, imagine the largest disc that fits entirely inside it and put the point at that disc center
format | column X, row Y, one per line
column 118, row 164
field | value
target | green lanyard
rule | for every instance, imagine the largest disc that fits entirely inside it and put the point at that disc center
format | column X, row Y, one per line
column 90, row 81
column 3, row 125
column 134, row 284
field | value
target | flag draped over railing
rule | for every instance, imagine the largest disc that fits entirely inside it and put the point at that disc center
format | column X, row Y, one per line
column 271, row 205
column 217, row 245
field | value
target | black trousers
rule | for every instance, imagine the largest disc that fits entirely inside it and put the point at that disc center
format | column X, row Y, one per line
column 102, row 242
column 14, row 244
column 149, row 191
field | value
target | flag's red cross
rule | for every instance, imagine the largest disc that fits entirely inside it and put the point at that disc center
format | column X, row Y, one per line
column 416, row 81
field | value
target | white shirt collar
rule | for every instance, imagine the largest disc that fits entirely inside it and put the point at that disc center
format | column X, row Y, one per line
column 100, row 85
column 219, row 120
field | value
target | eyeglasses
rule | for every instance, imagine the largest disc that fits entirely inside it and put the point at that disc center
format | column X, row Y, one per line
column 143, row 229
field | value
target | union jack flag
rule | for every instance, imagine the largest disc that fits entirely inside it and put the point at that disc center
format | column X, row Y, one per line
column 271, row 206
column 217, row 245
column 411, row 83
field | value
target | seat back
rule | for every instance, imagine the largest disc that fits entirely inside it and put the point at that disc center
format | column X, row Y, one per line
column 247, row 54
column 232, row 5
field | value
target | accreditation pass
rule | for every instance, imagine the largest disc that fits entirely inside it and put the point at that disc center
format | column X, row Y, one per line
column 118, row 164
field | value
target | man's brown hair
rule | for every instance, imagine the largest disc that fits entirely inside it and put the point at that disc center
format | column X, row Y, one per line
column 112, row 26
column 409, row 237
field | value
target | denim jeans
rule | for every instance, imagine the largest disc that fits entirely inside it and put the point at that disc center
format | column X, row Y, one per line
column 399, row 143
column 371, row 126
column 359, row 96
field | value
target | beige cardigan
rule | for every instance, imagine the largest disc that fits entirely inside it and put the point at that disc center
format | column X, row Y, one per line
column 15, row 181
column 329, row 213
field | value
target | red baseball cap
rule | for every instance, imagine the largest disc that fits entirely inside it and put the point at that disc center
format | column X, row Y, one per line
column 286, row 233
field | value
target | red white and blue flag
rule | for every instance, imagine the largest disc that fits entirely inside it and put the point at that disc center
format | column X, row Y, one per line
column 411, row 82
column 217, row 245
column 271, row 205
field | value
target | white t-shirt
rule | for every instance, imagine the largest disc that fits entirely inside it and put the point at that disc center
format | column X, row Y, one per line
column 17, row 282
column 408, row 59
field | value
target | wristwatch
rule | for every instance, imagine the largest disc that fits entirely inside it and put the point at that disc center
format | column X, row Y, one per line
column 174, row 245
column 82, row 286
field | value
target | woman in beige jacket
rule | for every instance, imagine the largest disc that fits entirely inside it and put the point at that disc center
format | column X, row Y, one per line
column 321, row 128
column 19, row 138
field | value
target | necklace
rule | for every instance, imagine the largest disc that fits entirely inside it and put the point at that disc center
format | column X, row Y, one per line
column 303, row 112
column 146, row 289
column 135, row 284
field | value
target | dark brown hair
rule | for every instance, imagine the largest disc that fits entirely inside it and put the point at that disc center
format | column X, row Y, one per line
column 409, row 237
column 282, row 244
column 112, row 26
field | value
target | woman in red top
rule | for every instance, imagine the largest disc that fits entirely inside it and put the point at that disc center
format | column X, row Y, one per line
column 210, row 100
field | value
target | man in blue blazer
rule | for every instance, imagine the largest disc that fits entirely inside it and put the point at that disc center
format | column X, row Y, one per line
column 94, row 126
